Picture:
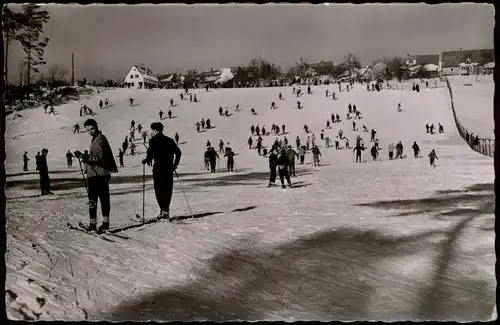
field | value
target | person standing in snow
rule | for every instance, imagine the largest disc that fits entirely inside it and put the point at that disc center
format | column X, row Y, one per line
column 250, row 141
column 25, row 161
column 316, row 153
column 120, row 157
column 273, row 164
column 43, row 170
column 416, row 149
column 230, row 159
column 212, row 159
column 432, row 158
column 399, row 150
column 358, row 149
column 391, row 151
column 176, row 137
column 291, row 161
column 283, row 165
column 302, row 154
column 162, row 150
column 69, row 158
column 99, row 164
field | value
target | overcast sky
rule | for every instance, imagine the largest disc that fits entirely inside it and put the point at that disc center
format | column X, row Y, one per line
column 170, row 38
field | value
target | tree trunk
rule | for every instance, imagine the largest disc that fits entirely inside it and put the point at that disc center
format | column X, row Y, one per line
column 6, row 61
column 28, row 82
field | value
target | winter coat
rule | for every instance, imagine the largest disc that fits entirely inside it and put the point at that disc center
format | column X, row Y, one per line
column 316, row 152
column 302, row 152
column 101, row 160
column 162, row 149
column 291, row 155
column 283, row 161
column 273, row 160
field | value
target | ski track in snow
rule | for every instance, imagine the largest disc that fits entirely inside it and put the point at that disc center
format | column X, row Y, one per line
column 359, row 241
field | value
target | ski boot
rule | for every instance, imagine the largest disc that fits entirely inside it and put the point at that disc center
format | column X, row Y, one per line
column 103, row 227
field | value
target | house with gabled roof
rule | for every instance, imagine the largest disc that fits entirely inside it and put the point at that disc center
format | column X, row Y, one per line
column 140, row 77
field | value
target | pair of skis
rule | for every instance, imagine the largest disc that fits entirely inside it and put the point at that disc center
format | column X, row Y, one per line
column 82, row 228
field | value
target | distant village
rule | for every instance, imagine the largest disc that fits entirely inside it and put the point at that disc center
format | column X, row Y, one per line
column 260, row 73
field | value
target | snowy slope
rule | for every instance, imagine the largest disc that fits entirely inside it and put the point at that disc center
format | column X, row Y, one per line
column 377, row 240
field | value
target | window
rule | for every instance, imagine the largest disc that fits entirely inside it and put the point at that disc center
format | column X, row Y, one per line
column 131, row 76
column 137, row 76
column 132, row 84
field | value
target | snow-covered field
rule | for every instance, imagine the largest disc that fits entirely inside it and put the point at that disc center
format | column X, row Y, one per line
column 381, row 240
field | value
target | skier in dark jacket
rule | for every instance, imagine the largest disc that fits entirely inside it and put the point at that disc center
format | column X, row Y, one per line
column 283, row 163
column 273, row 164
column 43, row 170
column 120, row 157
column 25, row 161
column 37, row 159
column 416, row 149
column 162, row 150
column 212, row 159
column 69, row 158
column 230, row 159
column 99, row 165
column 358, row 149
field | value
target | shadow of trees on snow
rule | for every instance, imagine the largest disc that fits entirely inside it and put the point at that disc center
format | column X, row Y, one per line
column 329, row 275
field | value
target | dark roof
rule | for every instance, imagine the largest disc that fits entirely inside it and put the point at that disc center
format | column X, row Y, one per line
column 210, row 73
column 453, row 58
column 143, row 70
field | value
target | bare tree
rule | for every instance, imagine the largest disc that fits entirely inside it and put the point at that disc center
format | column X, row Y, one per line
column 57, row 75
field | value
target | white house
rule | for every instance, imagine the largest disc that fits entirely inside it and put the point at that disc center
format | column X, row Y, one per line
column 141, row 78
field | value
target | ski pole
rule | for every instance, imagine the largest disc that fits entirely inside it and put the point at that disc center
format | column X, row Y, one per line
column 185, row 197
column 83, row 176
column 143, row 192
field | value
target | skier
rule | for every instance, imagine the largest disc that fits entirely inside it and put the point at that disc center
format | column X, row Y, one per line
column 209, row 124
column 416, row 149
column 306, row 128
column 349, row 108
column 354, row 126
column 372, row 139
column 326, row 92
column 291, row 161
column 334, row 97
column 280, row 96
column 328, row 126
column 208, row 143
column 220, row 111
column 431, row 129
column 283, row 165
column 308, row 142
column 161, row 114
column 399, row 108
column 144, row 137
column 132, row 125
column 131, row 101
column 347, row 146
column 264, row 130
column 230, row 159
column 198, row 125
column 132, row 148
column 120, row 157
column 391, row 151
column 302, row 154
column 298, row 105
column 206, row 159
column 191, row 97
column 273, row 105
column 338, row 120
column 432, row 157
column 106, row 102
column 176, row 138
column 250, row 140
column 337, row 143
column 139, row 128
column 322, row 134
column 374, row 152
column 69, row 158
column 171, row 102
column 399, row 150
column 441, row 129
column 195, row 99
column 341, row 133
column 203, row 123
column 358, row 149
column 297, row 142
column 253, row 111
column 52, row 110
column 100, row 104
column 99, row 164
column 162, row 150
column 327, row 142
column 221, row 146
column 25, row 161
column 283, row 129
column 427, row 127
column 365, row 129
column 273, row 164
column 316, row 153
column 43, row 170
column 37, row 161
column 125, row 145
